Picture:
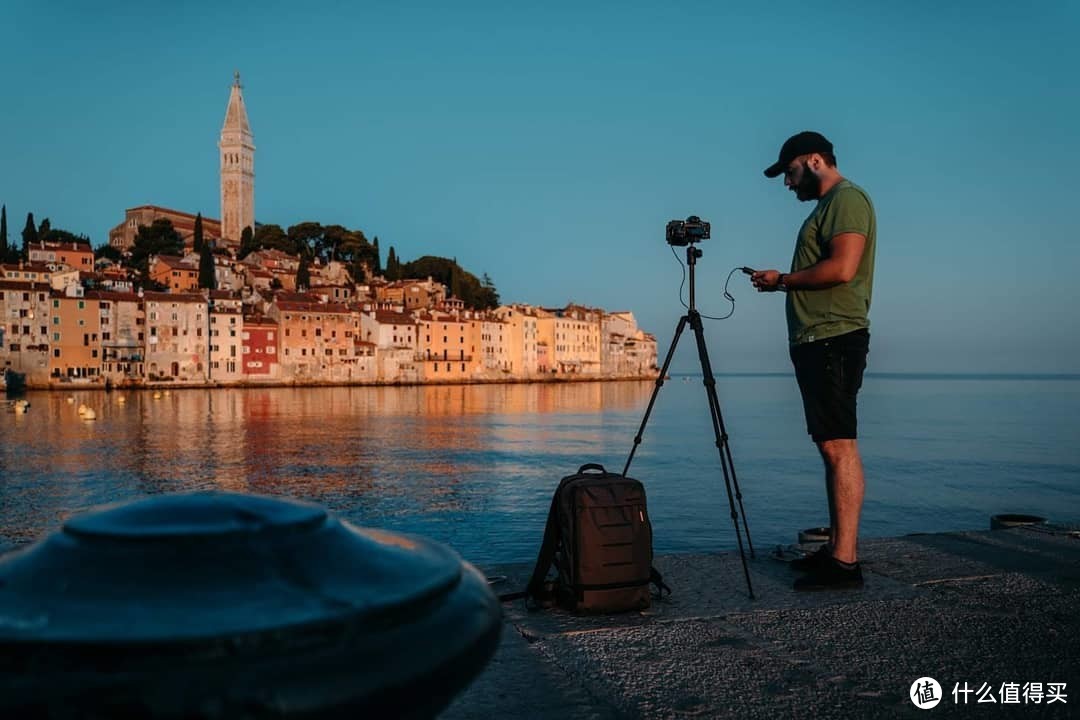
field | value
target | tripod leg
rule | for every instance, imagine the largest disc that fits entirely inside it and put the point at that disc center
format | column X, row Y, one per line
column 726, row 463
column 656, row 390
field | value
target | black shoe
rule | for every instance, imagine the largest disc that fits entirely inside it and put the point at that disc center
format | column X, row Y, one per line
column 814, row 560
column 832, row 576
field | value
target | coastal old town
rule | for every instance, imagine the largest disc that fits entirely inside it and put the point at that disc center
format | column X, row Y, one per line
column 222, row 307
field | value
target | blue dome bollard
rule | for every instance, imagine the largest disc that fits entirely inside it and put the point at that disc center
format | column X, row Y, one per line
column 224, row 605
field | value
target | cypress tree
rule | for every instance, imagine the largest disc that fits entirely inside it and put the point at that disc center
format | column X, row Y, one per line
column 392, row 265
column 29, row 235
column 247, row 242
column 3, row 234
column 455, row 281
column 206, row 268
column 197, row 242
column 303, row 276
column 377, row 270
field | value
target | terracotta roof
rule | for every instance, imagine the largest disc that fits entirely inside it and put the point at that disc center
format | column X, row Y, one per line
column 311, row 307
column 175, row 297
column 113, row 295
column 23, row 285
column 389, row 317
column 176, row 262
column 158, row 208
column 27, row 267
column 78, row 245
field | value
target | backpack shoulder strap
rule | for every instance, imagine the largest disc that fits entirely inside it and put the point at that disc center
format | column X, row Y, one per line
column 546, row 557
column 658, row 580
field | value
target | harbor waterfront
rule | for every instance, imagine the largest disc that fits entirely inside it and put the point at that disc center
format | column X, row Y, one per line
column 474, row 466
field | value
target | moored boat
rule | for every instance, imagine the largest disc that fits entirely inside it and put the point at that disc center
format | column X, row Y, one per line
column 14, row 382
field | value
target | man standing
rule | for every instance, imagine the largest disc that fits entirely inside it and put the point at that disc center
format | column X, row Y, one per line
column 828, row 299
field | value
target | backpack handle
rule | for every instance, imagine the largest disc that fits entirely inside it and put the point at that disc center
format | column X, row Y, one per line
column 591, row 466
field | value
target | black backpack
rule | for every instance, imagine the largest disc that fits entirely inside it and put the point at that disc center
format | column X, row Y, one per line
column 599, row 538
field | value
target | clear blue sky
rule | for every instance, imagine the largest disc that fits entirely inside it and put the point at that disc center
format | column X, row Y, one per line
column 547, row 144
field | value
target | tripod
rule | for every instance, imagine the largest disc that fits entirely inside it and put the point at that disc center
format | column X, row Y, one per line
column 693, row 318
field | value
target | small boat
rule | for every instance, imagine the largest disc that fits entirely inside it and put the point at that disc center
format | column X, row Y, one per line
column 14, row 382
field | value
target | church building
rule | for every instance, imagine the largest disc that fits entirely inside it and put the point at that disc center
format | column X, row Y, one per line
column 236, row 148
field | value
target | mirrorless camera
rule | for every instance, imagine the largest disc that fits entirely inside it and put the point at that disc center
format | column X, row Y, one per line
column 684, row 232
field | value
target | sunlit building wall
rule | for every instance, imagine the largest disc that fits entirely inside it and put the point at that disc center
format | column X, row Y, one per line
column 25, row 327
column 123, row 335
column 176, row 336
column 259, row 349
column 75, row 344
column 446, row 348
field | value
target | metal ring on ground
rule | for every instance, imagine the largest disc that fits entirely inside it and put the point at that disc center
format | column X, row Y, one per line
column 814, row 535
column 1011, row 520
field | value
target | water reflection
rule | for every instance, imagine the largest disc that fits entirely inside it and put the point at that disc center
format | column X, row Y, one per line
column 475, row 466
column 374, row 454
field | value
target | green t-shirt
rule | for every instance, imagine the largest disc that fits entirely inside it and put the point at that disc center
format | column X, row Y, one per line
column 816, row 314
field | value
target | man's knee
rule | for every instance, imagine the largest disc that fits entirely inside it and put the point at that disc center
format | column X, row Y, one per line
column 836, row 452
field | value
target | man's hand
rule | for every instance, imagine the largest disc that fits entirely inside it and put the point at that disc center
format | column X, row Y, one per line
column 766, row 280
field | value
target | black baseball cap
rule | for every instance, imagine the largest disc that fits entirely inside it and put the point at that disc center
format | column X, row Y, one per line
column 804, row 143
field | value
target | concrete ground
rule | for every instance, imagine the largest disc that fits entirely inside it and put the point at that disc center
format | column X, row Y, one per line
column 990, row 609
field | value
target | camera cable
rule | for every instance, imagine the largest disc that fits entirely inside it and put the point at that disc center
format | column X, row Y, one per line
column 727, row 295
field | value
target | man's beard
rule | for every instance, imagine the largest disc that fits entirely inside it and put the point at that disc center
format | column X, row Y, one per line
column 809, row 187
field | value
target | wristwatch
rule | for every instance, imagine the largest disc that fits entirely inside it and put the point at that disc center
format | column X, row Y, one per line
column 780, row 283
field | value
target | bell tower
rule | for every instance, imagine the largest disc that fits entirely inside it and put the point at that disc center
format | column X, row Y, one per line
column 237, row 146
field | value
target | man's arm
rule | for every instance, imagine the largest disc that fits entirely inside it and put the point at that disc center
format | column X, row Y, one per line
column 840, row 267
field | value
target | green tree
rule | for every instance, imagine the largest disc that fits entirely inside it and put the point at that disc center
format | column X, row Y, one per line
column 393, row 267
column 489, row 296
column 29, row 235
column 471, row 291
column 158, row 238
column 62, row 236
column 303, row 276
column 455, row 281
column 108, row 252
column 206, row 268
column 377, row 268
column 350, row 247
column 43, row 229
column 247, row 243
column 306, row 236
column 3, row 234
column 270, row 237
column 197, row 236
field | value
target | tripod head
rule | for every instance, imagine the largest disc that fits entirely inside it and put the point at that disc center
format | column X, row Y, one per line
column 685, row 233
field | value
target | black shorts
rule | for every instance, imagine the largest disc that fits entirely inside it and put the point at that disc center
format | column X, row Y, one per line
column 830, row 373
